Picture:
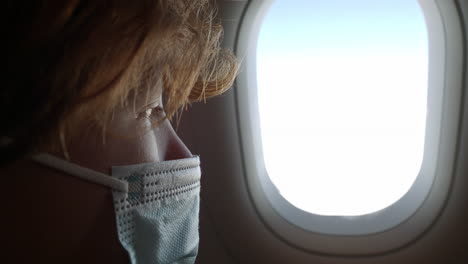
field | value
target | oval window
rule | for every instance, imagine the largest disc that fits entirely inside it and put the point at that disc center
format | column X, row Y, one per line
column 342, row 89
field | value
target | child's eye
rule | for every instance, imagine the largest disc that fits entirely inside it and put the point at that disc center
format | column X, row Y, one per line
column 145, row 114
column 156, row 113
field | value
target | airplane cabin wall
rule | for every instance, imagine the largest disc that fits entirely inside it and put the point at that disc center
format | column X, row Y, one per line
column 230, row 230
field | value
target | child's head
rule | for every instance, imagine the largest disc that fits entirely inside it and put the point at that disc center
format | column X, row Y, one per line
column 71, row 64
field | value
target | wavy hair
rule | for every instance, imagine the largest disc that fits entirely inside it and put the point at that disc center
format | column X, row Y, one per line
column 71, row 63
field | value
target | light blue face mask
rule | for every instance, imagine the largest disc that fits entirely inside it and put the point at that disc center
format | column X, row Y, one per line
column 156, row 206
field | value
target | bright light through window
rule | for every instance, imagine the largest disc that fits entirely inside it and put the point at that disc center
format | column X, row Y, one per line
column 342, row 88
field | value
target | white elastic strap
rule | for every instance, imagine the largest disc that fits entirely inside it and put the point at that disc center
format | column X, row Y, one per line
column 81, row 172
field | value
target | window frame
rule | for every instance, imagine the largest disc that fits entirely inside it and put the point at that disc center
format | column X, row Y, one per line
column 416, row 211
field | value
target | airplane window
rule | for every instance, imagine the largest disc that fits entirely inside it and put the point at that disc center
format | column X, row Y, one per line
column 342, row 90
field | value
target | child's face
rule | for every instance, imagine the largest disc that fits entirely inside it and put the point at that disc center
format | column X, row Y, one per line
column 131, row 137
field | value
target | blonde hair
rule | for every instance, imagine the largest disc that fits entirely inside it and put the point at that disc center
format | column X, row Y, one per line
column 87, row 57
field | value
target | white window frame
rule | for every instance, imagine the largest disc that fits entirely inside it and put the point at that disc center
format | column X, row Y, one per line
column 407, row 218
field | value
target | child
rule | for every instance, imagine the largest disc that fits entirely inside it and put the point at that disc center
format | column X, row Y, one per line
column 93, row 169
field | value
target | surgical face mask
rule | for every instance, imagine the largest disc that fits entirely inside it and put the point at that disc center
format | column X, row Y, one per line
column 156, row 206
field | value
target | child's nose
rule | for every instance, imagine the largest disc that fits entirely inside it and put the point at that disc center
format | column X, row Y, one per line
column 171, row 146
